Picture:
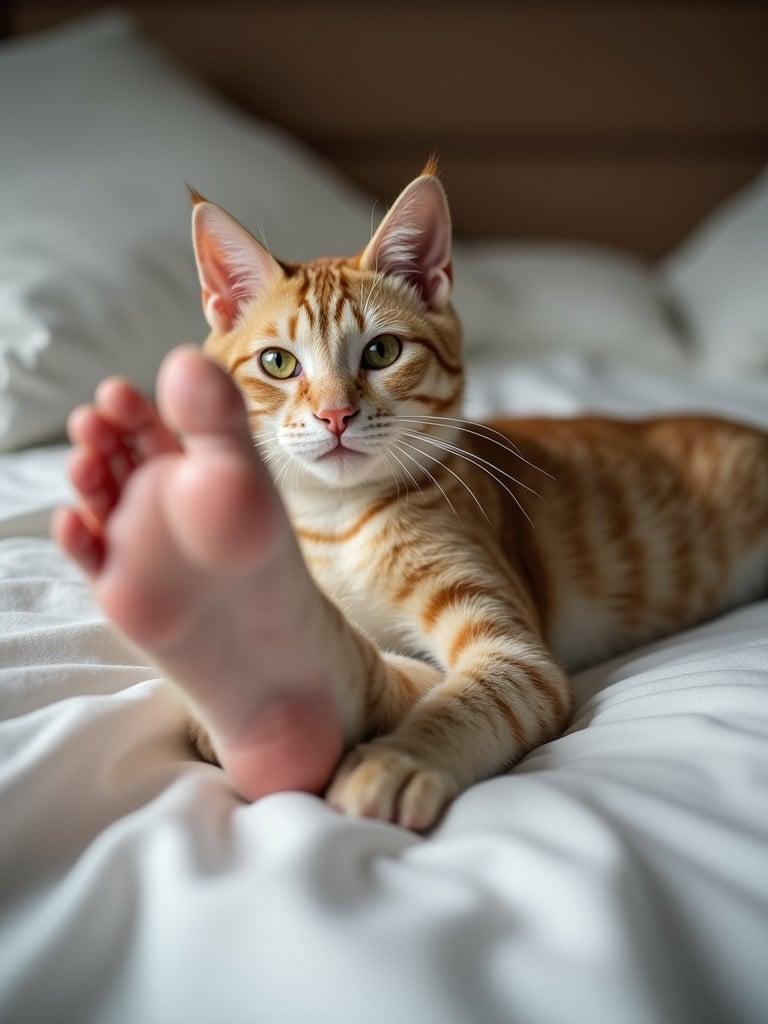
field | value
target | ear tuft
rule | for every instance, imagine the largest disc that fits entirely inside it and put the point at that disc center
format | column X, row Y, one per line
column 413, row 242
column 194, row 195
column 431, row 168
column 233, row 268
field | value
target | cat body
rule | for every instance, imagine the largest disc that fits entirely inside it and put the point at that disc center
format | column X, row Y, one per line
column 633, row 526
column 475, row 565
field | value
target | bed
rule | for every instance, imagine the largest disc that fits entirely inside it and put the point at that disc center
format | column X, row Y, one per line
column 619, row 873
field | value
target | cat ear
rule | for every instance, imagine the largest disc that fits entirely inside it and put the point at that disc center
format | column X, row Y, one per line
column 413, row 241
column 232, row 266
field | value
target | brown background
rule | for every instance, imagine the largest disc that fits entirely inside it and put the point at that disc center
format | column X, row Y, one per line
column 616, row 121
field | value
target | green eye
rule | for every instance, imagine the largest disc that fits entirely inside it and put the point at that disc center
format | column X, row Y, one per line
column 381, row 352
column 277, row 362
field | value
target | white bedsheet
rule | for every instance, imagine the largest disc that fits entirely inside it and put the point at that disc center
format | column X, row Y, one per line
column 619, row 874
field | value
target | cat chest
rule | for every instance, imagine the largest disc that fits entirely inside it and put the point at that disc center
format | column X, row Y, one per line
column 338, row 572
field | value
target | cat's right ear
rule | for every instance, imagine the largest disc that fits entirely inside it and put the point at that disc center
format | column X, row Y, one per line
column 232, row 266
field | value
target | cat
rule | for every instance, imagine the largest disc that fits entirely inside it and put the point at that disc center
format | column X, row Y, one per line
column 486, row 561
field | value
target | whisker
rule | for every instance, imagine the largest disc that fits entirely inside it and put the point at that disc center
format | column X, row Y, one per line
column 458, row 450
column 301, row 448
column 282, row 469
column 400, row 463
column 372, row 437
column 470, row 459
column 393, row 472
column 451, row 426
column 448, row 469
column 262, row 233
column 375, row 280
column 279, row 474
column 267, row 449
column 416, row 483
column 424, row 468
column 268, row 442
column 292, row 463
column 509, row 443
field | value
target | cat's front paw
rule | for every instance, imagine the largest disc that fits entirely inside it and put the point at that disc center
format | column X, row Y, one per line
column 377, row 780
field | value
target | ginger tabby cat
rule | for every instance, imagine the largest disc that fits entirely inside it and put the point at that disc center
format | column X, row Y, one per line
column 463, row 570
column 504, row 561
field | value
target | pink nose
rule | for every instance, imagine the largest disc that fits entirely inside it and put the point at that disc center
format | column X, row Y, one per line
column 336, row 420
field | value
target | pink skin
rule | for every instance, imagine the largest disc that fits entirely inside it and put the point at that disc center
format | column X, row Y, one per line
column 191, row 555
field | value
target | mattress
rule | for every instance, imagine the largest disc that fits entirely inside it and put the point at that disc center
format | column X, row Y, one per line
column 619, row 873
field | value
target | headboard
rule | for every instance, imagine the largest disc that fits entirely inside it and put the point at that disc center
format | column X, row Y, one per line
column 620, row 121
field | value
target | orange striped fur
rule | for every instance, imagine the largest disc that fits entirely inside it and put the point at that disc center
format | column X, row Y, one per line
column 488, row 560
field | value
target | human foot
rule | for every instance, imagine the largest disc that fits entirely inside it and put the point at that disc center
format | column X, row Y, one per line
column 191, row 555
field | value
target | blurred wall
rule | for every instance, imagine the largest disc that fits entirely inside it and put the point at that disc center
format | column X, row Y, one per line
column 621, row 122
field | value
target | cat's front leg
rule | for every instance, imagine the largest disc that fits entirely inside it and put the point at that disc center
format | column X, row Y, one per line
column 499, row 701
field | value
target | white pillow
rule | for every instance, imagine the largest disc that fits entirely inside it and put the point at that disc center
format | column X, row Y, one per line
column 96, row 270
column 99, row 134
column 718, row 278
column 577, row 299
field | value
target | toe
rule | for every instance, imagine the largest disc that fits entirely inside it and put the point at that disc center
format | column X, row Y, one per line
column 221, row 502
column 423, row 799
column 86, row 426
column 379, row 781
column 88, row 469
column 202, row 402
column 135, row 417
column 368, row 786
column 78, row 539
column 223, row 513
column 91, row 476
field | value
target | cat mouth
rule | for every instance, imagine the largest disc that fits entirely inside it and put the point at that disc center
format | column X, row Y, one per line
column 341, row 453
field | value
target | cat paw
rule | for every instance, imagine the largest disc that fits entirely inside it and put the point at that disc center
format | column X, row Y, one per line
column 377, row 780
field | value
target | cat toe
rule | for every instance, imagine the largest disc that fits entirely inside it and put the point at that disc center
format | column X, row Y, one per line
column 423, row 799
column 382, row 782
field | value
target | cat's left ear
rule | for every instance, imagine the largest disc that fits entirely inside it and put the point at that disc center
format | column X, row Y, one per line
column 413, row 241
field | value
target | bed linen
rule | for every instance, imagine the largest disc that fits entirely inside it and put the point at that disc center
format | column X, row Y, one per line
column 619, row 873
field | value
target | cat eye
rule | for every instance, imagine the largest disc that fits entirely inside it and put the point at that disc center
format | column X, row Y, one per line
column 278, row 362
column 381, row 352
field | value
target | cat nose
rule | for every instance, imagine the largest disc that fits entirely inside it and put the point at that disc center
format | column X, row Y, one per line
column 336, row 420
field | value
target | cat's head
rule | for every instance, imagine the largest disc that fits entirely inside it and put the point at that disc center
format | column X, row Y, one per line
column 343, row 363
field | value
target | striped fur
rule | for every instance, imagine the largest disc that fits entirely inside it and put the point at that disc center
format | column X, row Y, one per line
column 492, row 559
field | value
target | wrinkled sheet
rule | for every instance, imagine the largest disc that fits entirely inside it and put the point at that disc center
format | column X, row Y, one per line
column 619, row 873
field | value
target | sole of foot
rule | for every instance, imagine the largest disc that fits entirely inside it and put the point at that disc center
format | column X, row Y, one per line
column 191, row 556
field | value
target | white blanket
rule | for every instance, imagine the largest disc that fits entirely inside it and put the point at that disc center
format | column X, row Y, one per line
column 619, row 874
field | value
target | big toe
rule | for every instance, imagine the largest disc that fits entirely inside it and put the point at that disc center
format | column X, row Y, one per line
column 197, row 398
column 220, row 500
column 223, row 511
